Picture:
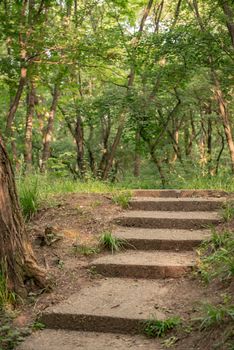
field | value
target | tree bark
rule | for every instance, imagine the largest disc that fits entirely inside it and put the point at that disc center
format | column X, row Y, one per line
column 79, row 137
column 29, row 127
column 49, row 130
column 16, row 255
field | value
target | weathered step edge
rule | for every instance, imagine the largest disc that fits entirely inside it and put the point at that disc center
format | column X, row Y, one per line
column 141, row 271
column 93, row 323
column 151, row 205
column 178, row 223
column 179, row 193
column 160, row 244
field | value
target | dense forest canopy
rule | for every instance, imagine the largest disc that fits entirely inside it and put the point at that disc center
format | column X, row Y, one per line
column 102, row 88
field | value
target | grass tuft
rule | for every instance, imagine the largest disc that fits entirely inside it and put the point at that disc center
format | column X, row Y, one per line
column 215, row 315
column 110, row 242
column 29, row 197
column 122, row 199
column 158, row 328
column 85, row 250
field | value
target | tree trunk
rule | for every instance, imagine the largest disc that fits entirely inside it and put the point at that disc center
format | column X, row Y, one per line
column 29, row 128
column 79, row 137
column 223, row 112
column 110, row 156
column 159, row 167
column 49, row 130
column 137, row 157
column 16, row 255
column 131, row 77
column 229, row 13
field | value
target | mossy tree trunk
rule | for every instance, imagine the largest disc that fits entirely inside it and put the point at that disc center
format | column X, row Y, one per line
column 15, row 249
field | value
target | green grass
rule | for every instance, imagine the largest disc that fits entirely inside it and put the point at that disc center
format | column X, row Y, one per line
column 228, row 211
column 85, row 250
column 36, row 188
column 29, row 197
column 7, row 297
column 122, row 198
column 213, row 315
column 217, row 257
column 154, row 328
column 110, row 242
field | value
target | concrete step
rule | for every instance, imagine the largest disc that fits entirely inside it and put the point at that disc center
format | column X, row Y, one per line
column 121, row 305
column 141, row 264
column 176, row 204
column 179, row 193
column 161, row 239
column 167, row 219
column 74, row 340
column 111, row 305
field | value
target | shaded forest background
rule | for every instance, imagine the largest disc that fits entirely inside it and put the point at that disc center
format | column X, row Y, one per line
column 131, row 91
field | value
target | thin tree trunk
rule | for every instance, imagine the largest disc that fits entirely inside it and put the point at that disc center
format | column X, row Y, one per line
column 223, row 112
column 131, row 78
column 228, row 11
column 92, row 163
column 222, row 104
column 137, row 157
column 110, row 156
column 159, row 167
column 16, row 253
column 49, row 130
column 220, row 153
column 29, row 128
column 79, row 137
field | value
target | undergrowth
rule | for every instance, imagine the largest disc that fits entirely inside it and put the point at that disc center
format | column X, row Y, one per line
column 7, row 297
column 213, row 315
column 228, row 211
column 29, row 196
column 217, row 257
column 217, row 264
column 122, row 199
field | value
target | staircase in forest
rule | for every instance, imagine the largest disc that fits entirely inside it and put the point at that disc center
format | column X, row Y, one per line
column 164, row 227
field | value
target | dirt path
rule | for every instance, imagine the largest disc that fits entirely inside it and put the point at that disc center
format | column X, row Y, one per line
column 137, row 284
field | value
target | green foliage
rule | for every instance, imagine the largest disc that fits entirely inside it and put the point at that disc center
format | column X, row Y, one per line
column 159, row 328
column 216, row 315
column 122, row 199
column 217, row 257
column 228, row 211
column 110, row 242
column 29, row 196
column 7, row 297
column 38, row 326
column 10, row 337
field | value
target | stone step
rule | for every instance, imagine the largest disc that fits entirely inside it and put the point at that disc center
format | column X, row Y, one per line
column 167, row 219
column 75, row 340
column 118, row 305
column 111, row 305
column 179, row 193
column 147, row 265
column 176, row 204
column 161, row 239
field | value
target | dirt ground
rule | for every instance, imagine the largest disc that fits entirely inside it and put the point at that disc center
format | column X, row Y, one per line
column 77, row 220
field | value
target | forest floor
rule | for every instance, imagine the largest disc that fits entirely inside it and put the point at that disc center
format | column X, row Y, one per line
column 65, row 237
